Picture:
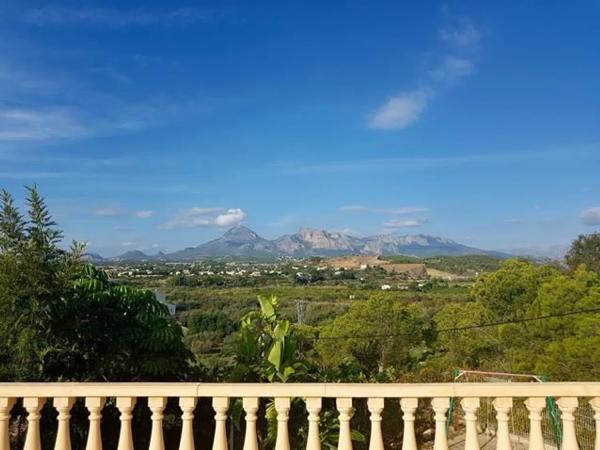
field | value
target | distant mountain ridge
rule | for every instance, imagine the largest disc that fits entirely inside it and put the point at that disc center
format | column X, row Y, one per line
column 242, row 241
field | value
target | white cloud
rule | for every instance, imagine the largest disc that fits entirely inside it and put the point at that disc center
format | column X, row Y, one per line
column 108, row 211
column 27, row 124
column 591, row 216
column 206, row 217
column 404, row 223
column 128, row 243
column 452, row 69
column 400, row 111
column 464, row 35
column 403, row 110
column 114, row 18
column 144, row 214
column 391, row 211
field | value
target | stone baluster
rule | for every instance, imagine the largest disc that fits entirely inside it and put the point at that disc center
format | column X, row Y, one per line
column 409, row 406
column 344, row 407
column 6, row 405
column 125, row 406
column 187, row 405
column 440, row 407
column 567, row 407
column 94, row 438
column 313, row 406
column 282, row 406
column 535, row 406
column 250, row 405
column 33, row 405
column 502, row 405
column 220, row 405
column 470, row 405
column 595, row 404
column 157, row 406
column 63, row 435
column 375, row 406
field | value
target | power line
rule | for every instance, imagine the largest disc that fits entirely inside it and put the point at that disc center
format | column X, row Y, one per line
column 473, row 326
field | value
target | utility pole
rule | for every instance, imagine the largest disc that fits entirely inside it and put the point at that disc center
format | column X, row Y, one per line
column 300, row 311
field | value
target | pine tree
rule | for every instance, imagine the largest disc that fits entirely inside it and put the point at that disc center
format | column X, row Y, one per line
column 12, row 224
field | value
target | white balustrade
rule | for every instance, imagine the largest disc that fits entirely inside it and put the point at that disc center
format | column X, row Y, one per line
column 282, row 406
column 344, row 407
column 6, row 405
column 94, row 438
column 125, row 406
column 567, row 406
column 33, row 406
column 220, row 405
column 470, row 405
column 63, row 436
column 502, row 405
column 535, row 405
column 250, row 405
column 313, row 406
column 63, row 395
column 187, row 405
column 409, row 406
column 375, row 406
column 440, row 406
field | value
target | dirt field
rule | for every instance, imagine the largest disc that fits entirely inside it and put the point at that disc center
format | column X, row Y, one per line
column 361, row 262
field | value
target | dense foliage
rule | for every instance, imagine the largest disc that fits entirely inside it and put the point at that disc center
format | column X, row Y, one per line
column 63, row 320
column 585, row 250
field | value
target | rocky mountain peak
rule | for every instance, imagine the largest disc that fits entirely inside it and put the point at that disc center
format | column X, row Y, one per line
column 241, row 234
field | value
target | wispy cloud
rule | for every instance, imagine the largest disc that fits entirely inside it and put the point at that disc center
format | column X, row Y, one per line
column 591, row 216
column 206, row 217
column 115, row 18
column 108, row 211
column 402, row 110
column 452, row 69
column 26, row 124
column 128, row 244
column 111, row 116
column 45, row 104
column 27, row 175
column 482, row 159
column 410, row 223
column 513, row 220
column 391, row 211
column 462, row 34
column 144, row 214
column 116, row 210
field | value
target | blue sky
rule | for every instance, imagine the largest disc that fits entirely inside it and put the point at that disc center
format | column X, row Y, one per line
column 157, row 125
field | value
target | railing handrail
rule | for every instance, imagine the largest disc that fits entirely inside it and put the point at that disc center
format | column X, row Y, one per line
column 326, row 390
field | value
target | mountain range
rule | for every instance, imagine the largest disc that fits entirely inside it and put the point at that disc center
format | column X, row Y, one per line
column 242, row 241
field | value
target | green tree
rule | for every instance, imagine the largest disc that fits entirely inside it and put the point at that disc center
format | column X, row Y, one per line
column 585, row 250
column 509, row 291
column 103, row 331
column 60, row 319
column 378, row 335
column 465, row 348
column 34, row 275
column 569, row 345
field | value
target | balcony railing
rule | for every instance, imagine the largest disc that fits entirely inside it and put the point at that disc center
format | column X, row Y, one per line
column 568, row 397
